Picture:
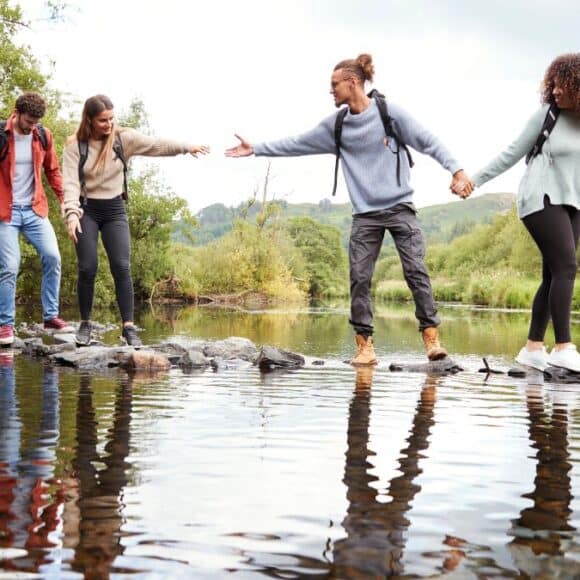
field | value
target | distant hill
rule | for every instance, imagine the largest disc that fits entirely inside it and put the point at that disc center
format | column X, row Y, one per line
column 440, row 223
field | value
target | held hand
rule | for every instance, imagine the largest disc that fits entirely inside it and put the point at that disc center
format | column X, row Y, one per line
column 73, row 225
column 62, row 212
column 244, row 149
column 462, row 188
column 196, row 150
column 461, row 184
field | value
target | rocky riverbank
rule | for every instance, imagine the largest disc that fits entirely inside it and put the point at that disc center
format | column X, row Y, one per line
column 233, row 352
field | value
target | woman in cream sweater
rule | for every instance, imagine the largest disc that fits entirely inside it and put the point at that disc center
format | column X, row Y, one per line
column 97, row 206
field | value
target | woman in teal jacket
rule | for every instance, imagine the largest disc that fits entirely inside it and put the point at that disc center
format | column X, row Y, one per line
column 548, row 203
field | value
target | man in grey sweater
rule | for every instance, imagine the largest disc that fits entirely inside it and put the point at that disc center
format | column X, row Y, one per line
column 380, row 195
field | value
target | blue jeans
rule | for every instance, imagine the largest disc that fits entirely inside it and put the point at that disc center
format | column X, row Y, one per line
column 38, row 231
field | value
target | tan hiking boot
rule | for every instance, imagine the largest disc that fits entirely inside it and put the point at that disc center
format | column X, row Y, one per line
column 365, row 355
column 432, row 345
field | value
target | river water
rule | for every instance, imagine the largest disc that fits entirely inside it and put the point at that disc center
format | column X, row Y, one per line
column 324, row 472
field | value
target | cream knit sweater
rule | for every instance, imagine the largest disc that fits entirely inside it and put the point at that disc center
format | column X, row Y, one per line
column 108, row 182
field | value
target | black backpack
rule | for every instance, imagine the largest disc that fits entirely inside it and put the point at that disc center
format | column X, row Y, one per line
column 390, row 132
column 547, row 127
column 83, row 155
column 4, row 142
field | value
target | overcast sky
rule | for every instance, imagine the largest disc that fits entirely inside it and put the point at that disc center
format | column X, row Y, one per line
column 467, row 70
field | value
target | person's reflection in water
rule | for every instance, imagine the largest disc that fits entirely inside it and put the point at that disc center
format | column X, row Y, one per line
column 93, row 516
column 10, row 429
column 28, row 512
column 376, row 532
column 542, row 533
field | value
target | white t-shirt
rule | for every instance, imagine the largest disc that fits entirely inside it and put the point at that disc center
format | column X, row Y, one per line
column 23, row 185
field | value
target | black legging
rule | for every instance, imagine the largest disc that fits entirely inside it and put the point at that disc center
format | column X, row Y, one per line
column 110, row 218
column 555, row 230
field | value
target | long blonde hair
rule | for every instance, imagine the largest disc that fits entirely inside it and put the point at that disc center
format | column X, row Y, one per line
column 95, row 106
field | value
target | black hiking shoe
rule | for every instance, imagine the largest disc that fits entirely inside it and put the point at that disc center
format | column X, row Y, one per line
column 83, row 335
column 131, row 337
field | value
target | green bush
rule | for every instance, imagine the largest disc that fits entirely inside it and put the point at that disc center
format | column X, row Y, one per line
column 249, row 258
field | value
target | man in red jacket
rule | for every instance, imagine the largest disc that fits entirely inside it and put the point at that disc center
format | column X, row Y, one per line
column 25, row 151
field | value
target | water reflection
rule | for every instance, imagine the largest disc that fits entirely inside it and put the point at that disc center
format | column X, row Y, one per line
column 295, row 329
column 93, row 514
column 377, row 530
column 261, row 458
column 544, row 528
column 29, row 494
column 324, row 331
column 81, row 513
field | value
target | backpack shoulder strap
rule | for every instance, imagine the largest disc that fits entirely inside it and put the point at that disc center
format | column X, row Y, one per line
column 390, row 130
column 42, row 136
column 383, row 108
column 118, row 149
column 83, row 155
column 547, row 127
column 337, row 135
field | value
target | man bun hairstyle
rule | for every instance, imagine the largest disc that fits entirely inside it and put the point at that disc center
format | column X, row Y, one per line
column 32, row 104
column 361, row 67
column 564, row 70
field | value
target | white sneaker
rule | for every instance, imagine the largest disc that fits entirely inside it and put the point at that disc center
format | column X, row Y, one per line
column 567, row 358
column 537, row 359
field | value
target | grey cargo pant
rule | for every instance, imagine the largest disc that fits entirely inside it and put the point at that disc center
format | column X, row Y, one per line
column 366, row 238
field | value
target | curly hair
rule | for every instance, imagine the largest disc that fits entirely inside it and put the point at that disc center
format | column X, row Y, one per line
column 31, row 103
column 565, row 71
column 361, row 67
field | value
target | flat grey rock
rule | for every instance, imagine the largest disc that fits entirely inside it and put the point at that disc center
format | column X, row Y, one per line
column 194, row 359
column 92, row 357
column 274, row 358
column 230, row 348
column 67, row 338
column 550, row 375
column 18, row 343
column 445, row 366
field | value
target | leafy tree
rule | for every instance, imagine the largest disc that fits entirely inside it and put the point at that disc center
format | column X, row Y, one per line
column 152, row 211
column 325, row 258
column 19, row 70
column 214, row 214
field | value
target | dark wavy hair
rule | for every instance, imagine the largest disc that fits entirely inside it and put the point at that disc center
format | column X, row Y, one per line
column 564, row 70
column 31, row 103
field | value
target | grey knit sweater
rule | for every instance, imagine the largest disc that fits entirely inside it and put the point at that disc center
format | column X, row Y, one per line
column 555, row 172
column 368, row 166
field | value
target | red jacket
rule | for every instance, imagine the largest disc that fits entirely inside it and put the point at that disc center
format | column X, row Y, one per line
column 40, row 159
